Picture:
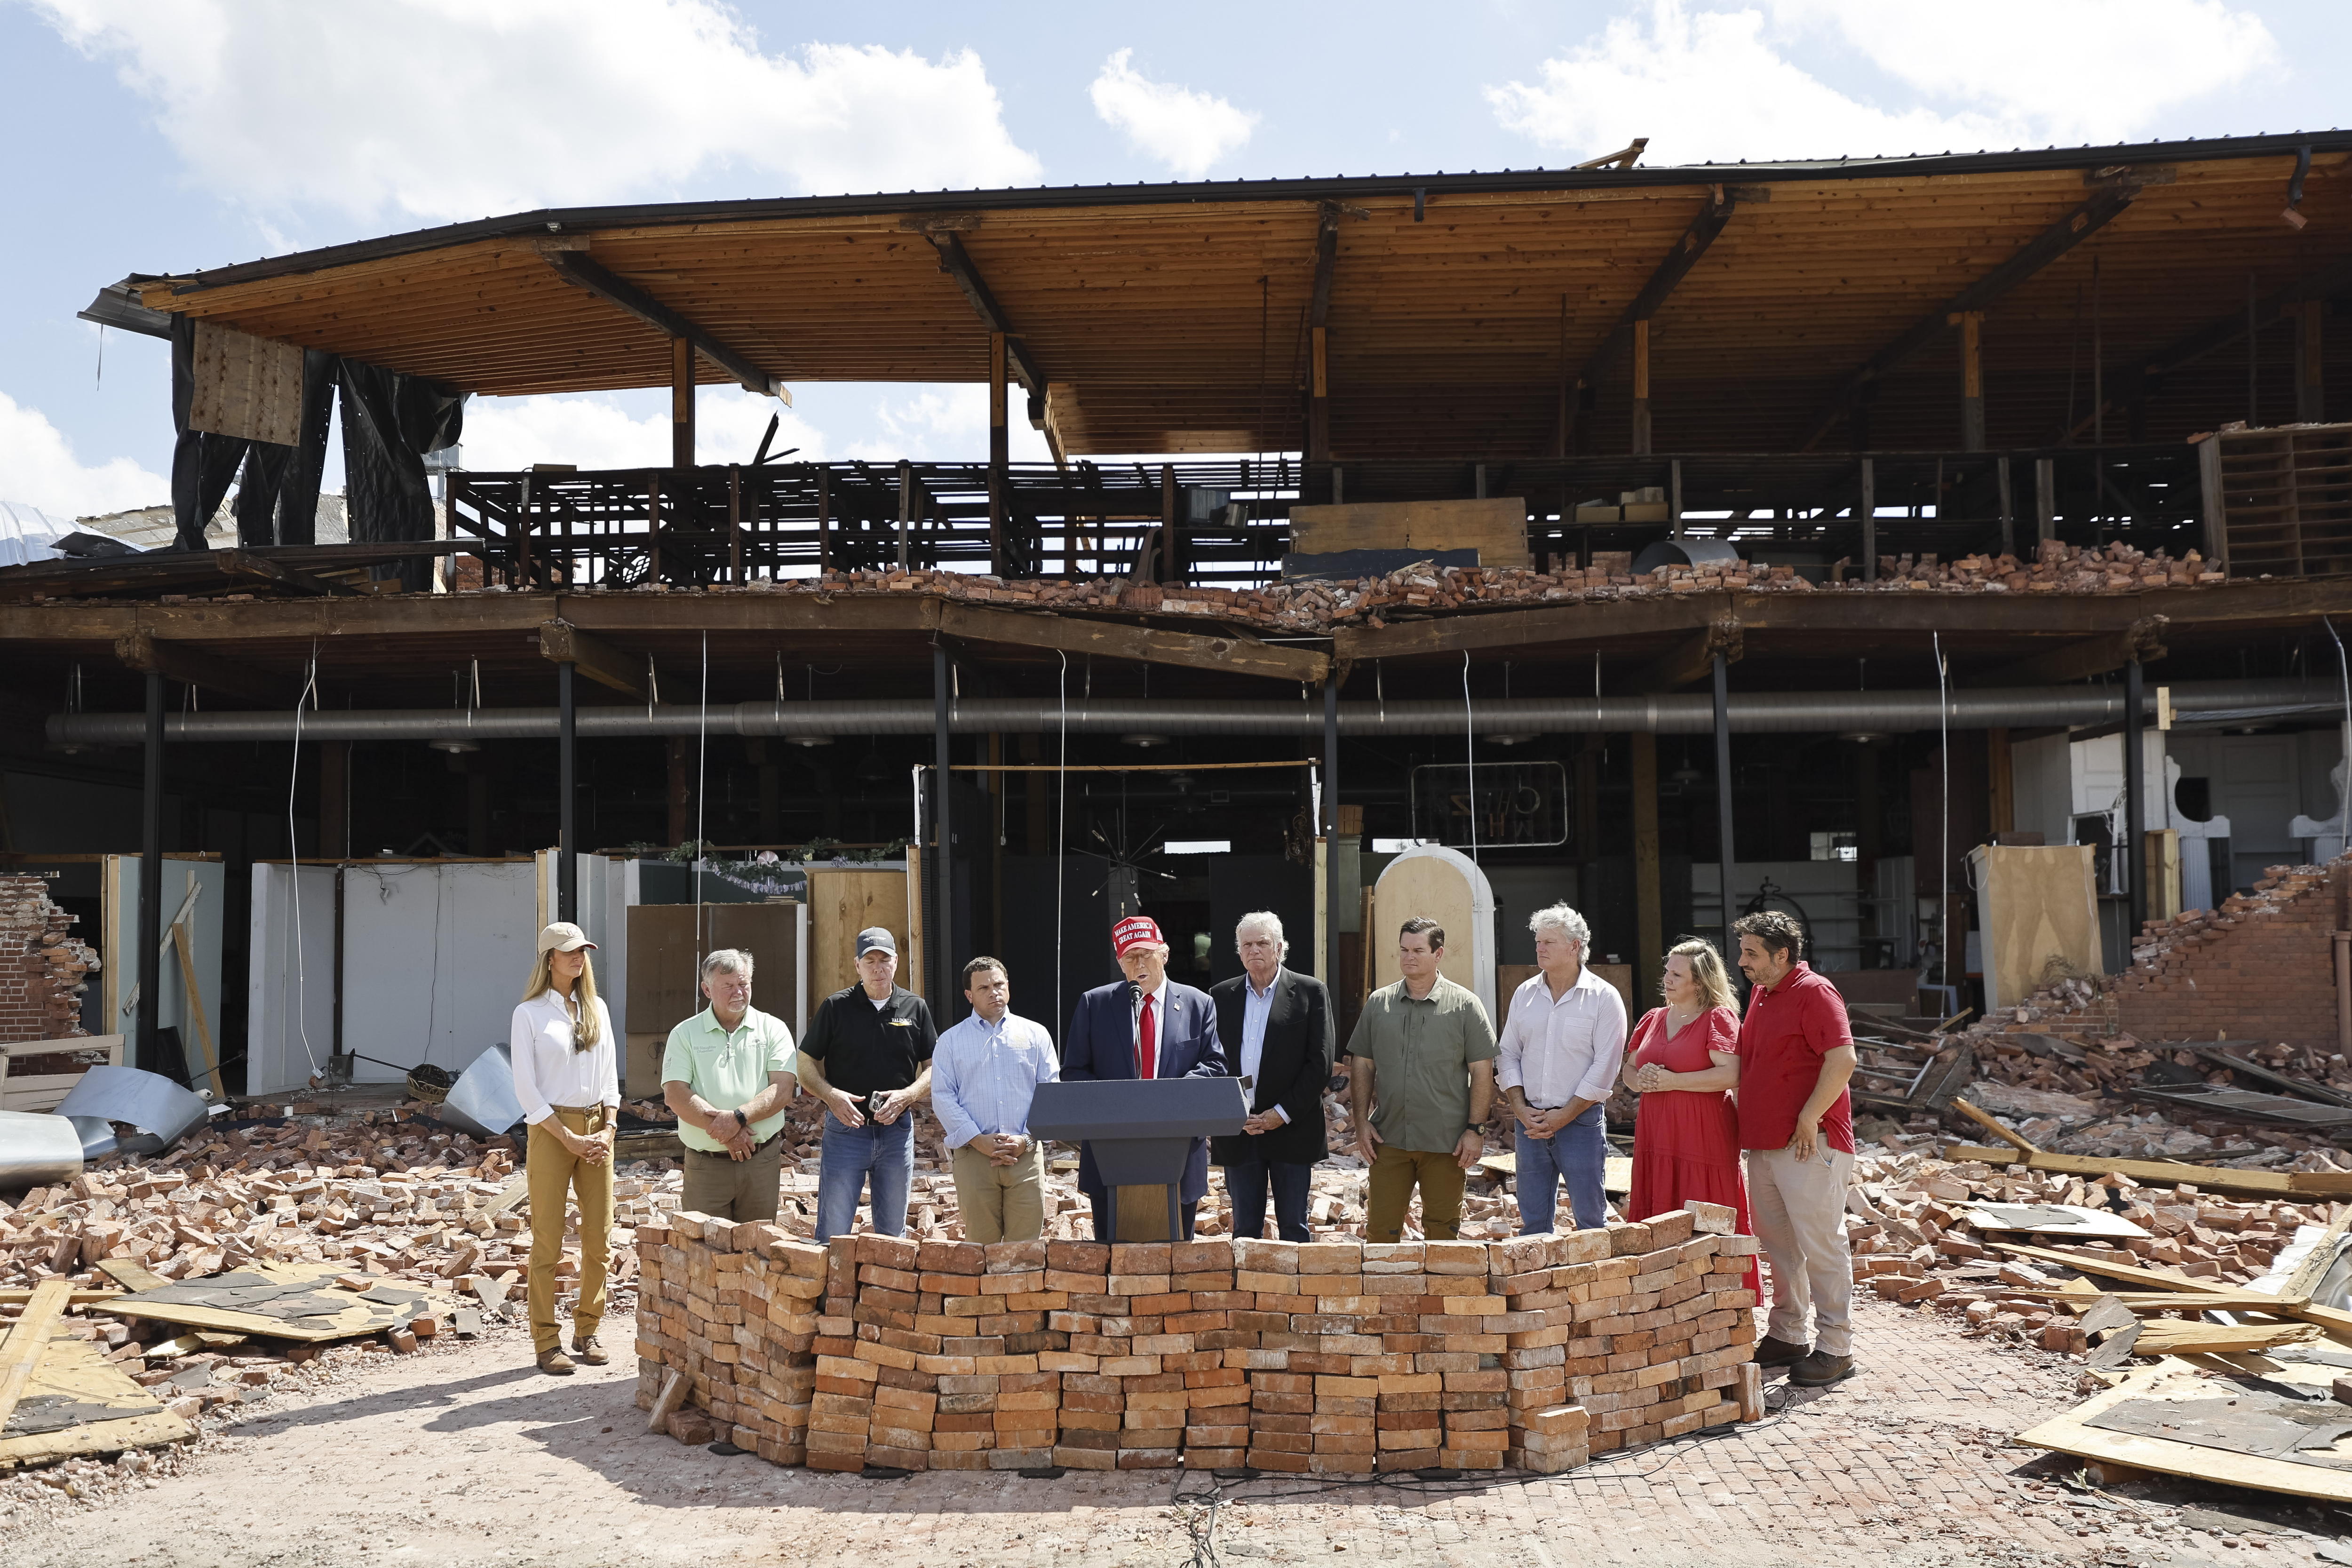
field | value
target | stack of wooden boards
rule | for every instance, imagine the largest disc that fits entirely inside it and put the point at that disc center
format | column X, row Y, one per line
column 1333, row 1357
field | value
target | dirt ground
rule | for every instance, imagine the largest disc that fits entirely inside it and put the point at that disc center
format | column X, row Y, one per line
column 466, row 1455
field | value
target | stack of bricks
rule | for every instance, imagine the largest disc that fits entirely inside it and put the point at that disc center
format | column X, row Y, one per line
column 1330, row 1357
column 732, row 1308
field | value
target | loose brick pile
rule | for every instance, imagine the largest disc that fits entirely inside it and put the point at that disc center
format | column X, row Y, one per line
column 1333, row 1357
column 43, row 969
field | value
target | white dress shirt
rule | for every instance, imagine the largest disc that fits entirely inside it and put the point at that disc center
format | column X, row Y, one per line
column 547, row 1071
column 1158, row 1000
column 1572, row 1047
column 985, row 1075
column 1257, row 1010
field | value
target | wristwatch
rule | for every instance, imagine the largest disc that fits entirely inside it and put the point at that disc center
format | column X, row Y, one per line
column 742, row 1122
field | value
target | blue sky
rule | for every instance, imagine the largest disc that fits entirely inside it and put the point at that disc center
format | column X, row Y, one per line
column 154, row 135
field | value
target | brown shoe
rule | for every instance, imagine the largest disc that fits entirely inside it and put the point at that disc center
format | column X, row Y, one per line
column 1770, row 1352
column 585, row 1351
column 553, row 1361
column 1821, row 1369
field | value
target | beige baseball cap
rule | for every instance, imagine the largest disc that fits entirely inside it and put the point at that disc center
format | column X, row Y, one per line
column 564, row 937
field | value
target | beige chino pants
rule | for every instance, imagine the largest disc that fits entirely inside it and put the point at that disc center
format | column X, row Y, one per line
column 1798, row 1210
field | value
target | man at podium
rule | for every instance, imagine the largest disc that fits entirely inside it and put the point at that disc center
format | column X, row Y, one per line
column 1146, row 1025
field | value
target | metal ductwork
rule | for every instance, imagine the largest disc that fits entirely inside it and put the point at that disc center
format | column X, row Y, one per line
column 1752, row 713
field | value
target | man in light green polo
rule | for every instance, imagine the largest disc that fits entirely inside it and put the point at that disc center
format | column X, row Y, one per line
column 728, row 1074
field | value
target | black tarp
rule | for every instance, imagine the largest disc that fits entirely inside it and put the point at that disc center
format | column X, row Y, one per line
column 278, row 496
column 390, row 422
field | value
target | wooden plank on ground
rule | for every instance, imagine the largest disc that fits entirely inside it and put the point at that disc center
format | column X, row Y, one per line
column 28, row 1341
column 2068, row 1434
column 77, row 1368
column 359, row 1318
column 2298, row 1186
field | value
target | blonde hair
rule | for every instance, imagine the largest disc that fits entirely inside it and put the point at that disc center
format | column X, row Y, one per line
column 1707, row 969
column 586, row 1032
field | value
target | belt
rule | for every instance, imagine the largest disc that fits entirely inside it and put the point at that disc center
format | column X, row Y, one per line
column 723, row 1154
column 583, row 1110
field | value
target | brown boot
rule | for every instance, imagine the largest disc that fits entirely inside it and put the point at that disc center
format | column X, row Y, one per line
column 553, row 1361
column 1770, row 1352
column 585, row 1351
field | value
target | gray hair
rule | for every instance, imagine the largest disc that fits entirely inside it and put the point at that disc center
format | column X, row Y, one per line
column 726, row 961
column 1266, row 921
column 1561, row 921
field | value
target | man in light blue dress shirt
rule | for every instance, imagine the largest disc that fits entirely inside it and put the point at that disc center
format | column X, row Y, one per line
column 984, row 1072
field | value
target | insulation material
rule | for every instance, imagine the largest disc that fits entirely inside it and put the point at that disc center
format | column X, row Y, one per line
column 435, row 955
column 290, row 996
column 2040, row 919
column 246, row 387
column 1447, row 887
column 208, row 880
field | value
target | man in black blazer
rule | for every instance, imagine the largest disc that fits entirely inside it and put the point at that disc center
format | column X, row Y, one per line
column 1280, row 1032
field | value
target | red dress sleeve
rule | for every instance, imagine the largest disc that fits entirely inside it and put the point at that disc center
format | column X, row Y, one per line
column 1723, row 1031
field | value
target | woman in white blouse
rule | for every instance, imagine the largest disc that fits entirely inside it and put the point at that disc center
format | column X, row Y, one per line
column 566, row 1081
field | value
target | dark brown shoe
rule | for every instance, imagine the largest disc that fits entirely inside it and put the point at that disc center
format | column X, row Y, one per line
column 1819, row 1370
column 556, row 1363
column 1770, row 1352
column 585, row 1351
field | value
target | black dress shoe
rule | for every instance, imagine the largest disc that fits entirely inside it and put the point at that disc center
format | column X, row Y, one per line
column 1770, row 1352
column 1822, row 1369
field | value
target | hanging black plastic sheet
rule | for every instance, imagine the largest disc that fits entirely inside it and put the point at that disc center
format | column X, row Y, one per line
column 390, row 422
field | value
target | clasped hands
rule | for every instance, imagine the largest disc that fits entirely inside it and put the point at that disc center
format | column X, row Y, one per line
column 1002, row 1148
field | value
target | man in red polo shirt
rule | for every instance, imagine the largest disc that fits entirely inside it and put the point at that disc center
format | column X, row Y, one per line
column 1796, row 1122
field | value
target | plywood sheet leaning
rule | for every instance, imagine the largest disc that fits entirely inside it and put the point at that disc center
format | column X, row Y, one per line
column 665, row 949
column 246, row 387
column 300, row 1301
column 1497, row 527
column 2070, row 1434
column 2040, row 911
column 842, row 904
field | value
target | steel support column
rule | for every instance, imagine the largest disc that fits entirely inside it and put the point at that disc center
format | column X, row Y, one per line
column 2134, row 804
column 151, row 881
column 1331, row 911
column 1723, row 802
column 942, row 943
column 567, row 787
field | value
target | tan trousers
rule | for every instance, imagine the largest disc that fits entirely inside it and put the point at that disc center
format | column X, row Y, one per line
column 1395, row 1173
column 1799, row 1209
column 554, row 1172
column 1000, row 1203
column 734, row 1189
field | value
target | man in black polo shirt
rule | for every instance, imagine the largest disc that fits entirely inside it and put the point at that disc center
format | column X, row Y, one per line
column 867, row 1055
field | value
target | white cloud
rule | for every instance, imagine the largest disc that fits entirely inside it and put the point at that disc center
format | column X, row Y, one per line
column 1717, row 85
column 1185, row 130
column 454, row 109
column 625, row 430
column 38, row 467
column 943, row 421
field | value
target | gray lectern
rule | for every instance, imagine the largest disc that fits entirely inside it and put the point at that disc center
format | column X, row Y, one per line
column 1141, row 1129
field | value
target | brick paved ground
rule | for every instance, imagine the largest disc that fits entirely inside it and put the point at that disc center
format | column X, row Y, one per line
column 472, row 1457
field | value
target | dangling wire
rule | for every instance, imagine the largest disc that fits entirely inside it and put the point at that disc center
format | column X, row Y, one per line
column 1470, row 750
column 2344, row 790
column 702, row 794
column 1943, row 867
column 294, row 867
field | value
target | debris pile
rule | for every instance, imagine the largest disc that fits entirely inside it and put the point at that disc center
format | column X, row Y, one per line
column 44, row 968
column 1334, row 1357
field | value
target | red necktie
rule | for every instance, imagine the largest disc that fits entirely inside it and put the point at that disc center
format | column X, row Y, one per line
column 1147, row 1043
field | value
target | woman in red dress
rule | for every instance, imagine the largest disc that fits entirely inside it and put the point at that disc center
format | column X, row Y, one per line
column 1684, row 1062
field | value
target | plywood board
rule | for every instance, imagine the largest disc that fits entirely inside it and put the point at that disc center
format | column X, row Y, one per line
column 352, row 1313
column 841, row 904
column 1495, row 528
column 666, row 949
column 41, row 1091
column 2039, row 917
column 72, row 1369
column 2068, row 1434
column 1448, row 888
column 246, row 387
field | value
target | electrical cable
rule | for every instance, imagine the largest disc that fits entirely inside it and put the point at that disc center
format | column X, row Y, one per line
column 1944, row 865
column 1470, row 750
column 1061, row 824
column 294, row 866
column 701, row 792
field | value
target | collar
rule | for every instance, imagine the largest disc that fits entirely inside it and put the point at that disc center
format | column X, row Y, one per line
column 1160, row 992
column 709, row 1020
column 1440, row 983
column 1249, row 989
column 1585, row 981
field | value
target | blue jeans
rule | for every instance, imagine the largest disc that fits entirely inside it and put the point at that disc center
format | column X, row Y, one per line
column 849, row 1155
column 1246, row 1185
column 1573, row 1155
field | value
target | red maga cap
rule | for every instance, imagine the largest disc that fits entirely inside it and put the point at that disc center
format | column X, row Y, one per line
column 1136, row 930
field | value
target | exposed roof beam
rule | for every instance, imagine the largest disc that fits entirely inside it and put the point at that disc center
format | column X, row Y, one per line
column 1692, row 659
column 600, row 661
column 143, row 650
column 576, row 268
column 2082, row 659
column 2030, row 258
column 1679, row 261
column 1231, row 654
column 957, row 263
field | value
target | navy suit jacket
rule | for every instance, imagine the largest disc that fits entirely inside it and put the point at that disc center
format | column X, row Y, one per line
column 1101, row 1045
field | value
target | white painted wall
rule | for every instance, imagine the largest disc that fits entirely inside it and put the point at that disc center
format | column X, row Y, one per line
column 434, row 959
column 290, row 992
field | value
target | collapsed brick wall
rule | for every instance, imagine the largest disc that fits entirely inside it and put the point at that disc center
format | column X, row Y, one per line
column 1333, row 1357
column 43, row 968
column 2262, row 966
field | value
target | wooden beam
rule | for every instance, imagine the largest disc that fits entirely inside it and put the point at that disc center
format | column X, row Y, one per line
column 561, row 642
column 681, row 403
column 1670, row 272
column 1693, row 660
column 2029, row 258
column 144, row 651
column 28, row 1341
column 1232, row 654
column 2299, row 1186
column 576, row 267
column 957, row 263
column 1972, row 409
column 2080, row 659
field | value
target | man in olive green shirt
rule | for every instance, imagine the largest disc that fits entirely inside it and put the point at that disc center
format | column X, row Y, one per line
column 1424, row 1048
column 728, row 1073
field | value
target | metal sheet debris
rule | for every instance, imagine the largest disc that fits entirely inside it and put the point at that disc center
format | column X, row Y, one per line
column 149, row 1101
column 37, row 1147
column 484, row 1102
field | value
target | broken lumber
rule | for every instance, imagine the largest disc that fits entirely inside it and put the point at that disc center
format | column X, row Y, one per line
column 2173, row 1336
column 28, row 1338
column 2300, row 1186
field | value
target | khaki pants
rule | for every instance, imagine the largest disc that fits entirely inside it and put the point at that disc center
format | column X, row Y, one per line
column 734, row 1189
column 554, row 1173
column 1395, row 1173
column 1798, row 1210
column 1000, row 1203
